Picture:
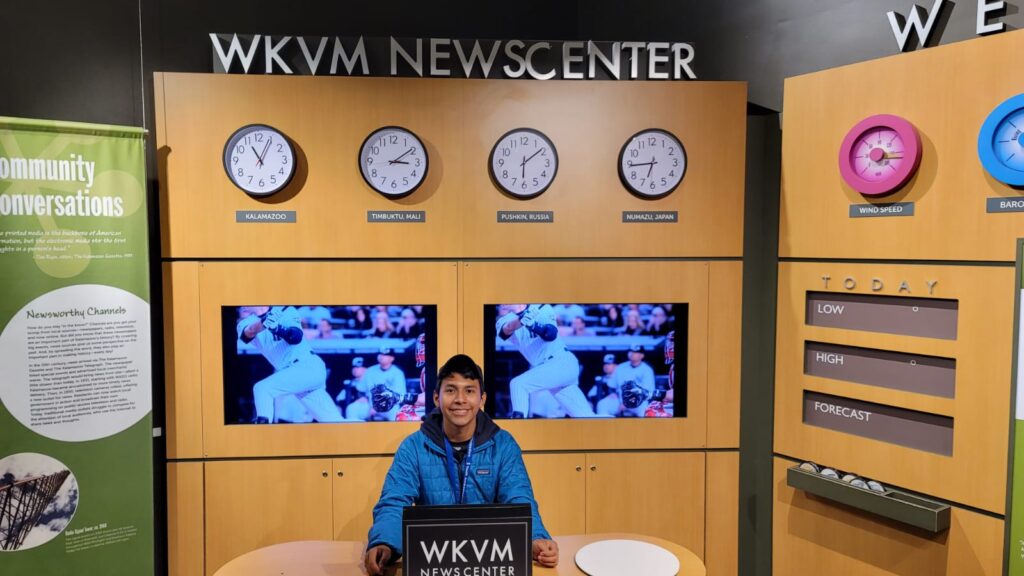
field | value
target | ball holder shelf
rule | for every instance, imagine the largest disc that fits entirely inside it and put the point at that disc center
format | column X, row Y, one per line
column 892, row 504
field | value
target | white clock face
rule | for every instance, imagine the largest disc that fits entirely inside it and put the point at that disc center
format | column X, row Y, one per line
column 524, row 162
column 652, row 163
column 393, row 161
column 259, row 160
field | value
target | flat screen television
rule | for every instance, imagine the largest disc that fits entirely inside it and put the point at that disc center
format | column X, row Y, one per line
column 300, row 364
column 580, row 360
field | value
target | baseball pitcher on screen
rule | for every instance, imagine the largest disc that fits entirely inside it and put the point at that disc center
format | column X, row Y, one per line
column 532, row 329
column 276, row 332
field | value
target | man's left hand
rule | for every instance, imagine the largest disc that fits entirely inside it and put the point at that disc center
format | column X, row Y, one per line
column 545, row 552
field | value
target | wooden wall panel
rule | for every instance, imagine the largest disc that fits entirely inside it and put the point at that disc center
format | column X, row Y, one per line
column 459, row 120
column 721, row 514
column 560, row 487
column 182, row 352
column 946, row 92
column 609, row 281
column 357, row 486
column 624, row 487
column 812, row 535
column 975, row 474
column 185, row 519
column 255, row 503
column 241, row 283
column 725, row 311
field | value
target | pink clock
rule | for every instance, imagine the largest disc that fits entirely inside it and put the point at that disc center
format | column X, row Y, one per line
column 880, row 154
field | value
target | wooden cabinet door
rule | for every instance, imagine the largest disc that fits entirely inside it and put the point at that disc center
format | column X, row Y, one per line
column 255, row 503
column 653, row 493
column 357, row 485
column 559, row 485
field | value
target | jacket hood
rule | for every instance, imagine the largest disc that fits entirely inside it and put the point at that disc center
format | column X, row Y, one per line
column 433, row 428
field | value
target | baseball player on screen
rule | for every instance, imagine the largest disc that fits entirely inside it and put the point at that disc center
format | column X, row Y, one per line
column 532, row 328
column 276, row 332
column 634, row 382
column 386, row 383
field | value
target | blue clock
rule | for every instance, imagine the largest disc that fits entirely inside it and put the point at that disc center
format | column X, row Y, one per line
column 1001, row 142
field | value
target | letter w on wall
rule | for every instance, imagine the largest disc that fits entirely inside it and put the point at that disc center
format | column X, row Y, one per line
column 922, row 27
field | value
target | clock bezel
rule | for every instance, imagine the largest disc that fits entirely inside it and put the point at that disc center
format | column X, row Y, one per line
column 986, row 141
column 912, row 152
column 426, row 162
column 625, row 181
column 501, row 187
column 229, row 144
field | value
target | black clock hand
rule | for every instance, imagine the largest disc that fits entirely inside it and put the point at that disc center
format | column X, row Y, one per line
column 631, row 165
column 259, row 161
column 265, row 150
column 523, row 164
column 396, row 160
column 534, row 154
column 651, row 167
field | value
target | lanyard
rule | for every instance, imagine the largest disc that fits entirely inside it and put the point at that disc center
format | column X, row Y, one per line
column 458, row 493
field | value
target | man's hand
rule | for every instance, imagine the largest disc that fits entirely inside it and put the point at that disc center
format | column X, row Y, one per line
column 545, row 552
column 378, row 556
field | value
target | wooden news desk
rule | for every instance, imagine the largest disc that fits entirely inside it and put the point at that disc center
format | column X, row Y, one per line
column 345, row 558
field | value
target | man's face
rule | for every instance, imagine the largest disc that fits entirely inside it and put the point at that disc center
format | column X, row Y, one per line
column 385, row 361
column 609, row 368
column 635, row 358
column 358, row 371
column 459, row 399
column 408, row 319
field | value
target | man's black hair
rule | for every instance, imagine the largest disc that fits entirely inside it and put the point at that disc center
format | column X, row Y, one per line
column 463, row 366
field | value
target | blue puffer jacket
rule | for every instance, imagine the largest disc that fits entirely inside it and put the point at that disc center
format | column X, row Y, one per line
column 419, row 475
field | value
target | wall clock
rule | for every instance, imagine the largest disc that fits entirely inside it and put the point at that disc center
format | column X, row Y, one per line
column 1001, row 142
column 652, row 163
column 393, row 161
column 259, row 159
column 523, row 162
column 880, row 154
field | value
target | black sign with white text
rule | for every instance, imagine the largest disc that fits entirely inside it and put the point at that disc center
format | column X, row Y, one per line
column 487, row 540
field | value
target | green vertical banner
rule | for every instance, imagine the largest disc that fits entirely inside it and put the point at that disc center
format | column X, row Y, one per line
column 1015, row 498
column 76, row 475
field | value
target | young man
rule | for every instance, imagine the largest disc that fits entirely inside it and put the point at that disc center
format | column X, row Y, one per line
column 422, row 474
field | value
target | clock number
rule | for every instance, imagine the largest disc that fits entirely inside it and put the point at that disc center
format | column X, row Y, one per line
column 536, row 182
column 394, row 183
column 675, row 162
column 240, row 173
column 261, row 183
column 501, row 162
column 671, row 151
column 259, row 136
column 632, row 175
column 524, row 140
column 394, row 139
column 273, row 179
column 369, row 160
column 504, row 174
column 417, row 164
column 513, row 181
column 234, row 159
column 373, row 173
column 506, row 152
column 547, row 163
column 634, row 153
column 405, row 181
column 284, row 159
column 240, row 149
column 280, row 148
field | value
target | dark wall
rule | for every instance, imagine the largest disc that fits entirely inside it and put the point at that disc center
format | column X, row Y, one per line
column 73, row 61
